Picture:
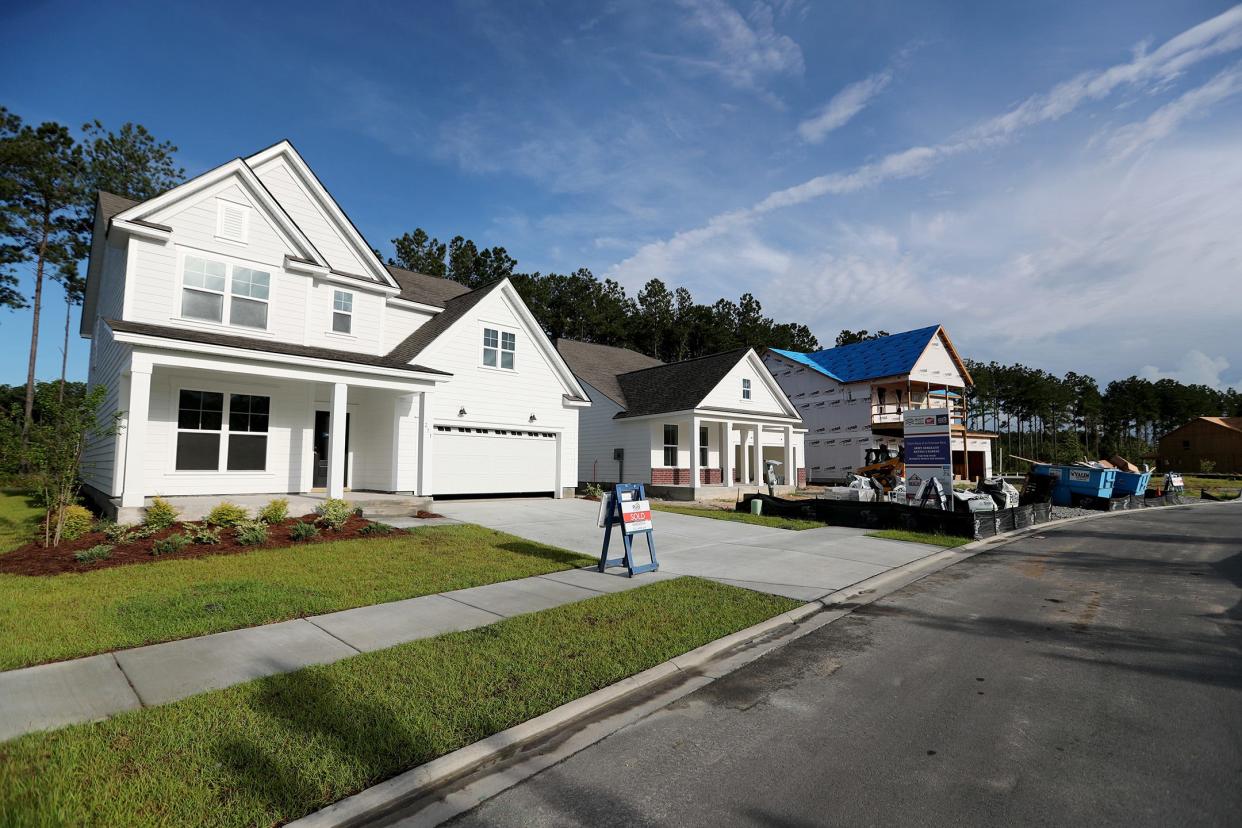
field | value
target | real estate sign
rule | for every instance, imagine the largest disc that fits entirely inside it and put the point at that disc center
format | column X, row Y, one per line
column 928, row 450
column 636, row 516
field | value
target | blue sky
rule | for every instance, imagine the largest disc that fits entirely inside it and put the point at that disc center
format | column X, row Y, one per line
column 1057, row 183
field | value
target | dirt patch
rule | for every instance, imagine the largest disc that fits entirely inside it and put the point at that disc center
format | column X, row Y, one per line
column 423, row 515
column 33, row 559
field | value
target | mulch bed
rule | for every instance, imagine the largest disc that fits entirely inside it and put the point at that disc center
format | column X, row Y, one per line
column 35, row 559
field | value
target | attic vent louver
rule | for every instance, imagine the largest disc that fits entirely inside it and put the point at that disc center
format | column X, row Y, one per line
column 231, row 220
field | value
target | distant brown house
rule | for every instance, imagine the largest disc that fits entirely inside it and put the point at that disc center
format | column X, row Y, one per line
column 1218, row 439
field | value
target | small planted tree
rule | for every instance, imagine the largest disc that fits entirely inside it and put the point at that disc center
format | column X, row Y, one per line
column 57, row 442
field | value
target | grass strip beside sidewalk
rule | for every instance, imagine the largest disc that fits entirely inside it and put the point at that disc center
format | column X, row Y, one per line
column 773, row 521
column 933, row 538
column 51, row 618
column 277, row 748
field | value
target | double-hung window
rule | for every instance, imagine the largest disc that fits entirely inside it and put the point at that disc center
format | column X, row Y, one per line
column 342, row 311
column 499, row 348
column 205, row 283
column 745, row 389
column 199, row 430
column 202, row 292
column 248, row 306
column 202, row 431
column 703, row 446
column 670, row 446
column 248, row 415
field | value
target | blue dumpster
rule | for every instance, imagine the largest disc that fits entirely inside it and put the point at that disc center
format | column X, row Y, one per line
column 1131, row 483
column 1074, row 483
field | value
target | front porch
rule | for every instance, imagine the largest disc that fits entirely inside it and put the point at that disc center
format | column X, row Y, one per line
column 200, row 429
column 714, row 458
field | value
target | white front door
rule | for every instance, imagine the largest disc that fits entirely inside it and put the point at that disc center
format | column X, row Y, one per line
column 493, row 461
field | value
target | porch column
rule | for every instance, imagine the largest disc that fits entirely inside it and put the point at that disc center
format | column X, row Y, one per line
column 694, row 452
column 136, row 411
column 336, row 440
column 791, row 473
column 425, row 432
column 757, row 471
column 726, row 453
column 743, row 477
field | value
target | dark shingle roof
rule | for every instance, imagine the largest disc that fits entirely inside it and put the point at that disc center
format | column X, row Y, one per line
column 454, row 309
column 110, row 204
column 599, row 365
column 428, row 290
column 677, row 386
column 884, row 357
column 643, row 385
column 252, row 344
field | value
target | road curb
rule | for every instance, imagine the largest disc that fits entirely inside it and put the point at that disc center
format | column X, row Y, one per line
column 676, row 677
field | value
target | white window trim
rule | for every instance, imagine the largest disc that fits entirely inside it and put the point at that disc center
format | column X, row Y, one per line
column 230, row 263
column 665, row 445
column 747, row 389
column 332, row 312
column 500, row 331
column 245, row 230
column 222, row 459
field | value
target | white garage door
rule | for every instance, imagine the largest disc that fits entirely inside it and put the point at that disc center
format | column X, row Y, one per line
column 492, row 461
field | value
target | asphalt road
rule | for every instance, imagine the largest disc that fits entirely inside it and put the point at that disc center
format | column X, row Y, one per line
column 1089, row 675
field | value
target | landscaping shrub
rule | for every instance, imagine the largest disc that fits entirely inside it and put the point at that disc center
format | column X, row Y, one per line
column 77, row 522
column 251, row 532
column 302, row 531
column 227, row 514
column 119, row 532
column 170, row 544
column 377, row 529
column 98, row 552
column 202, row 534
column 334, row 512
column 161, row 514
column 276, row 510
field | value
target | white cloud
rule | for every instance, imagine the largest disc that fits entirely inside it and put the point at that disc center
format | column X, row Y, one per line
column 1165, row 120
column 745, row 50
column 843, row 106
column 1218, row 35
column 1194, row 368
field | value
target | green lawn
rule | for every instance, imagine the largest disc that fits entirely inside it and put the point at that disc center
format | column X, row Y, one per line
column 1214, row 485
column 277, row 748
column 740, row 517
column 52, row 618
column 19, row 519
column 934, row 538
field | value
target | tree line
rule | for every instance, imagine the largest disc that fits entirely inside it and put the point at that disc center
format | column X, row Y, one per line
column 49, row 177
column 1041, row 416
column 666, row 324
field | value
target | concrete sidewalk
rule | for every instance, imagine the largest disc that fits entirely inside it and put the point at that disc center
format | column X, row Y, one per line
column 804, row 565
column 86, row 689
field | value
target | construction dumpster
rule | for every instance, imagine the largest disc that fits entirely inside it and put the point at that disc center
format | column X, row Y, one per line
column 1073, row 484
column 1131, row 483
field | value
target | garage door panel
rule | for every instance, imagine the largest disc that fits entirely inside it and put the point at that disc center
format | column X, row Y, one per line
column 493, row 461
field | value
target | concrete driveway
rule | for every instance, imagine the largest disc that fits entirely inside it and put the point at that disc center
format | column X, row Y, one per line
column 804, row 565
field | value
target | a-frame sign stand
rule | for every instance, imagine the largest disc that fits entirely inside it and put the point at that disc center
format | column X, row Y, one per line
column 629, row 509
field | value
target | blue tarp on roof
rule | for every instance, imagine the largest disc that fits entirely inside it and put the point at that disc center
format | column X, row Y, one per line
column 884, row 357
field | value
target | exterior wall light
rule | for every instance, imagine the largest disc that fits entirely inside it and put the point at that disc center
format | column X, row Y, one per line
column 532, row 418
column 462, row 412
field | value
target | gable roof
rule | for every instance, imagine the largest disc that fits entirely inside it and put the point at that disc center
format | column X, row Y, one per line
column 643, row 385
column 110, row 204
column 675, row 386
column 429, row 331
column 884, row 357
column 424, row 289
column 601, row 364
column 1234, row 423
column 263, row 345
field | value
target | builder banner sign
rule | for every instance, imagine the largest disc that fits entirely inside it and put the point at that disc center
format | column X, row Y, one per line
column 928, row 450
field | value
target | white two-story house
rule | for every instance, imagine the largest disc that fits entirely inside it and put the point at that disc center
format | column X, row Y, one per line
column 852, row 399
column 691, row 429
column 255, row 343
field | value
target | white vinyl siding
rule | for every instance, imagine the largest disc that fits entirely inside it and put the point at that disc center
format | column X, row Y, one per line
column 600, row 436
